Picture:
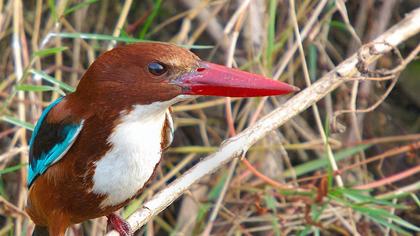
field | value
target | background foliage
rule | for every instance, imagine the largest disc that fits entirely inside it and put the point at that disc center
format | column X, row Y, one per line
column 45, row 46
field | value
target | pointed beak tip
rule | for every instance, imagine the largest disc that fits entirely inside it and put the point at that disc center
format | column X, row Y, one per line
column 284, row 88
column 294, row 89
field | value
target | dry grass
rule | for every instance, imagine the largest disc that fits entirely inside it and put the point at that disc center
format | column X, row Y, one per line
column 305, row 178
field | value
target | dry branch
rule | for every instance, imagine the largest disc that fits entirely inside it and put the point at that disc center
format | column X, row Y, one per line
column 236, row 146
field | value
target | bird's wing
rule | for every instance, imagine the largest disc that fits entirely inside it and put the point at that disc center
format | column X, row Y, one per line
column 50, row 142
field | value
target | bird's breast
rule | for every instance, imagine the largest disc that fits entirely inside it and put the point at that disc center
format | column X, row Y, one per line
column 135, row 152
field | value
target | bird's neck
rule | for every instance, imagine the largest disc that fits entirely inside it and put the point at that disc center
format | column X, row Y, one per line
column 136, row 147
column 145, row 113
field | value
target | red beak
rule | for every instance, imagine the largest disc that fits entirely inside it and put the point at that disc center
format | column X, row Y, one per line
column 216, row 80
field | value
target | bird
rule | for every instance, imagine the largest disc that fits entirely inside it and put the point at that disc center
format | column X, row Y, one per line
column 94, row 150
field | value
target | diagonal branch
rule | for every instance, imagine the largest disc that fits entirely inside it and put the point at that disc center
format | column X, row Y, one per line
column 235, row 146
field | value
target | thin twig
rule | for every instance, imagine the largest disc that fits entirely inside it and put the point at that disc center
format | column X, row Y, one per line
column 286, row 58
column 393, row 75
column 18, row 65
column 120, row 22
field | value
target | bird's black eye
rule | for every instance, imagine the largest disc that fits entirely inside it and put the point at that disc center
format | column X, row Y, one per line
column 156, row 68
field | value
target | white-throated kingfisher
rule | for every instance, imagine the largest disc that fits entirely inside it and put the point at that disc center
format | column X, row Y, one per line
column 94, row 150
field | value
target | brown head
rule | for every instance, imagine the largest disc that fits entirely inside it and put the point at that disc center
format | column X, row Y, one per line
column 143, row 73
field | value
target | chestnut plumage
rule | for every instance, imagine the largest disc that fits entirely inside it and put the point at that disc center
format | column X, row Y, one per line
column 94, row 150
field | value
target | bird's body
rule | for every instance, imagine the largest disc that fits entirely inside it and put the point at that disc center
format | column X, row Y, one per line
column 94, row 150
column 99, row 175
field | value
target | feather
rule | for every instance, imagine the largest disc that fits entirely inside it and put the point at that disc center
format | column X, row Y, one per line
column 50, row 142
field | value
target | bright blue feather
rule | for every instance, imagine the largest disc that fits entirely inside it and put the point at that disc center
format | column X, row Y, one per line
column 41, row 119
column 67, row 135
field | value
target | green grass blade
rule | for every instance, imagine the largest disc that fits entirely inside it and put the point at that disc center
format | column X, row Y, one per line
column 163, row 224
column 12, row 168
column 51, row 5
column 37, row 88
column 415, row 199
column 52, row 80
column 49, row 51
column 217, row 189
column 17, row 122
column 132, row 207
column 105, row 37
column 385, row 223
column 339, row 25
column 150, row 19
column 79, row 6
column 271, row 203
column 202, row 211
column 192, row 149
column 405, row 224
column 323, row 162
column 363, row 197
column 385, row 214
column 271, row 32
column 34, row 88
column 313, row 62
column 2, row 191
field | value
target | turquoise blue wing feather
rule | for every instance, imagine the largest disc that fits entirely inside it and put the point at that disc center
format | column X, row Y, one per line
column 50, row 142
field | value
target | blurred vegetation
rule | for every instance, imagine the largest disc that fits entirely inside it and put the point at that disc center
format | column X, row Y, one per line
column 45, row 46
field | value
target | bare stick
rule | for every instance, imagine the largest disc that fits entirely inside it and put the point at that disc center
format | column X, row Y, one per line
column 235, row 146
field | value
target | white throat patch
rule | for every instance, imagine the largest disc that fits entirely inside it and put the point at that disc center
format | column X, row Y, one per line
column 135, row 152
